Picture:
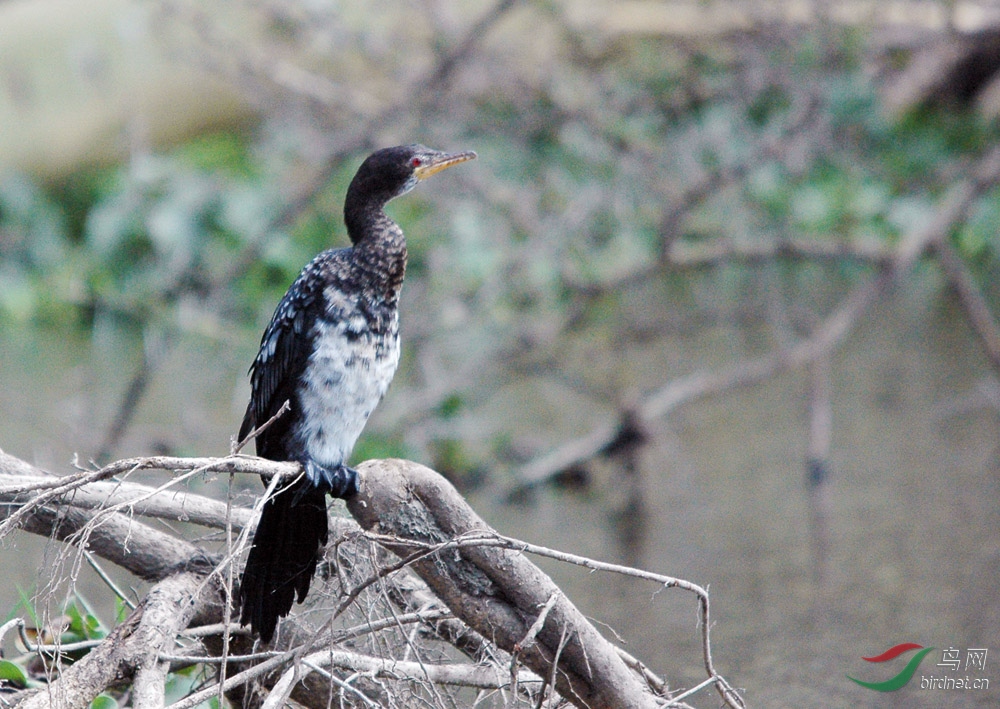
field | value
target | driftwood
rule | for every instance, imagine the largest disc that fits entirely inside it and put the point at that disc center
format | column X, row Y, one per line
column 498, row 592
column 132, row 650
column 448, row 574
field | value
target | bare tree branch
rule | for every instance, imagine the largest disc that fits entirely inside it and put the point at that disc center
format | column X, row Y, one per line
column 824, row 339
column 133, row 648
column 971, row 298
column 56, row 486
column 143, row 500
column 494, row 592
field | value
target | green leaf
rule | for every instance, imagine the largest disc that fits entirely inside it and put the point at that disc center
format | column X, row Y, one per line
column 93, row 627
column 76, row 622
column 25, row 601
column 104, row 701
column 121, row 610
column 12, row 674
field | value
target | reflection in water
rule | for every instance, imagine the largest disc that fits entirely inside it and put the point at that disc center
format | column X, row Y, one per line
column 891, row 534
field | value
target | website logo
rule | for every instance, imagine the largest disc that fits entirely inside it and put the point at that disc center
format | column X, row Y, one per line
column 949, row 677
column 900, row 680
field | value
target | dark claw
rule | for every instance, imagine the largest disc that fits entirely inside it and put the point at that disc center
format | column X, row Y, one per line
column 346, row 483
column 340, row 481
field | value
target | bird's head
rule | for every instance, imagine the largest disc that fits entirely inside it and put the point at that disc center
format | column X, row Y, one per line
column 390, row 172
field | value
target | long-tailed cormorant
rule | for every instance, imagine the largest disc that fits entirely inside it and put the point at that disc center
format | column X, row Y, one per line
column 330, row 351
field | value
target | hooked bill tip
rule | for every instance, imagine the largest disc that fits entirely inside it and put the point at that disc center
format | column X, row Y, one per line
column 443, row 163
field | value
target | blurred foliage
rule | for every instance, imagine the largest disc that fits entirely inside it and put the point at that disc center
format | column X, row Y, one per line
column 78, row 623
column 129, row 242
column 136, row 241
column 585, row 180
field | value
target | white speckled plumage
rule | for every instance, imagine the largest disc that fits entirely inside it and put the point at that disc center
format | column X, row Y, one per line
column 330, row 351
column 347, row 375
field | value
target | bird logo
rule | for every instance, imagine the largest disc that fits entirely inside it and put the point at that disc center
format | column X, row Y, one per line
column 901, row 679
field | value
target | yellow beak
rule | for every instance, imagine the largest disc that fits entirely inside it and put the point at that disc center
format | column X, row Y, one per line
column 442, row 163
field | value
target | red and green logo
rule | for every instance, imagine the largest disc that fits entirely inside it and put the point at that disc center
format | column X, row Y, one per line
column 900, row 680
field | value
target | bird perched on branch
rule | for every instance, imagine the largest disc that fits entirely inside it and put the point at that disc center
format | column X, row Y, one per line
column 330, row 351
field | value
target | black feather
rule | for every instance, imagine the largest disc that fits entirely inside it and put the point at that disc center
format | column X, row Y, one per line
column 343, row 304
column 287, row 545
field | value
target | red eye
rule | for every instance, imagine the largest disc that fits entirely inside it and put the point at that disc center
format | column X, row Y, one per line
column 416, row 162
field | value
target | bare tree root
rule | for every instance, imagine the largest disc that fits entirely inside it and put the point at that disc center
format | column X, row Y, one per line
column 497, row 591
column 132, row 651
column 421, row 569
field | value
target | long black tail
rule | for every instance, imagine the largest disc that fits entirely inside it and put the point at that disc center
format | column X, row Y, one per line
column 286, row 547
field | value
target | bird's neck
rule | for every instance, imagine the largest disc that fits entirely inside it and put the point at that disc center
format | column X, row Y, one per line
column 379, row 251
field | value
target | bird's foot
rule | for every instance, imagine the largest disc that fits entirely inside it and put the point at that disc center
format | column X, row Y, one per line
column 339, row 480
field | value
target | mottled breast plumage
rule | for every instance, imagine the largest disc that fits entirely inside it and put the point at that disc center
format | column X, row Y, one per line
column 324, row 333
column 330, row 351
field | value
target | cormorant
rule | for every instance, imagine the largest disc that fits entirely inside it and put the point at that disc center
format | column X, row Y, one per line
column 330, row 351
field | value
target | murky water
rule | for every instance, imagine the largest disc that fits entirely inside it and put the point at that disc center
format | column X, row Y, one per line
column 912, row 515
column 912, row 506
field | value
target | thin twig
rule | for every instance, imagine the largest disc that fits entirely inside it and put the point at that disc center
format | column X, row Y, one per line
column 344, row 685
column 728, row 693
column 675, row 701
column 529, row 637
column 216, row 660
column 202, row 695
column 337, row 637
column 238, row 445
column 108, row 580
column 972, row 300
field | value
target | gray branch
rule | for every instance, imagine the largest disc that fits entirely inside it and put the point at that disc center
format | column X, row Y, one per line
column 132, row 650
column 498, row 592
column 506, row 611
